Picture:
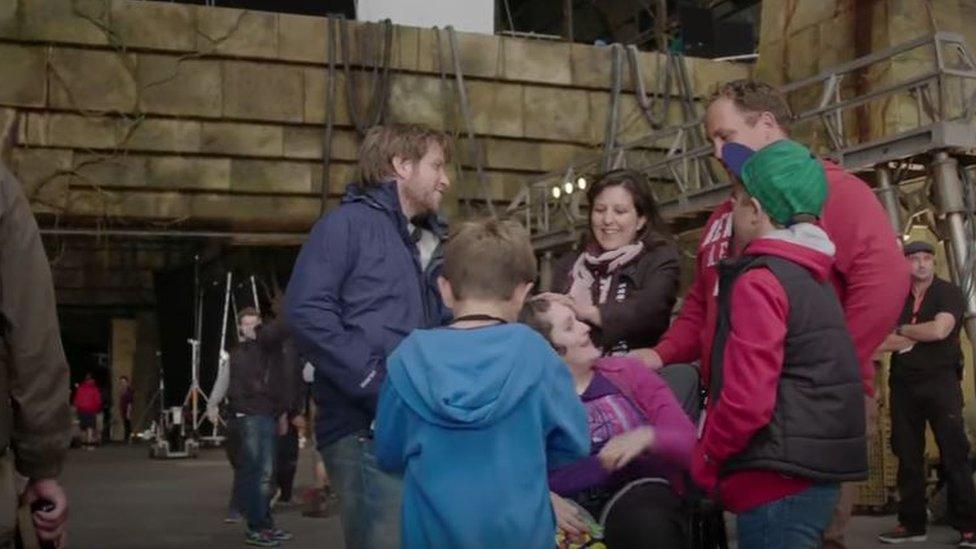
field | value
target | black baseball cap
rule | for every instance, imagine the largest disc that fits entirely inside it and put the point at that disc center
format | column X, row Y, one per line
column 919, row 246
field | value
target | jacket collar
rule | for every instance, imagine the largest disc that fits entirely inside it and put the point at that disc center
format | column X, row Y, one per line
column 385, row 197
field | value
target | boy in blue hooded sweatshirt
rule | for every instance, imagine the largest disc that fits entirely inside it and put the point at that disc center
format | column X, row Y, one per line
column 474, row 415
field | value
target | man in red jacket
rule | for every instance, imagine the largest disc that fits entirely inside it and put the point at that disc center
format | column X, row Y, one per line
column 869, row 272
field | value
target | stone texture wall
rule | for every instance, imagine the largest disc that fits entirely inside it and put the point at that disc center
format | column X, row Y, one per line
column 801, row 38
column 162, row 113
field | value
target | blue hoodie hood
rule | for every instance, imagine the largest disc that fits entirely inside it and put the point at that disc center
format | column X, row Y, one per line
column 449, row 385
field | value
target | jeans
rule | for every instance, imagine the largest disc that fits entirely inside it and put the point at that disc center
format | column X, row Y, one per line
column 793, row 522
column 254, row 478
column 369, row 499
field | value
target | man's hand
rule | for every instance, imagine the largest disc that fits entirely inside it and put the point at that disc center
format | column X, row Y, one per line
column 283, row 425
column 568, row 517
column 894, row 343
column 648, row 356
column 299, row 422
column 622, row 449
column 213, row 414
column 50, row 525
column 704, row 471
column 224, row 359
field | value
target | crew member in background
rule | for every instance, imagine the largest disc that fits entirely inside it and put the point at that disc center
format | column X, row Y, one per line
column 926, row 369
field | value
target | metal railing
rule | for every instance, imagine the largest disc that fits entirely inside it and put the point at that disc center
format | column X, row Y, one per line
column 686, row 181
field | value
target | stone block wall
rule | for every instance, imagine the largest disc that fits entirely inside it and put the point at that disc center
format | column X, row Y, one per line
column 153, row 112
column 800, row 38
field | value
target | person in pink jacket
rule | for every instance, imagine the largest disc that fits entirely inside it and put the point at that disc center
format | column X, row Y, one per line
column 640, row 438
column 869, row 272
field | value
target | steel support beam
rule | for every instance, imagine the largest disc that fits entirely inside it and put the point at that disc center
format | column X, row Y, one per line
column 951, row 204
column 889, row 198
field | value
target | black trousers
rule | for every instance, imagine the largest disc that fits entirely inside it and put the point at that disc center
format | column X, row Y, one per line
column 640, row 516
column 938, row 401
column 287, row 462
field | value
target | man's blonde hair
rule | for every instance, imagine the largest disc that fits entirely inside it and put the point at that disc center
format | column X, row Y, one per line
column 488, row 259
column 753, row 98
column 408, row 141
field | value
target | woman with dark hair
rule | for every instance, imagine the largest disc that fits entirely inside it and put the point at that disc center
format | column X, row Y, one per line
column 624, row 282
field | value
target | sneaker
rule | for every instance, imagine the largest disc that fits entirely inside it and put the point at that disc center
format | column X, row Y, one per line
column 280, row 535
column 233, row 517
column 967, row 539
column 261, row 539
column 902, row 535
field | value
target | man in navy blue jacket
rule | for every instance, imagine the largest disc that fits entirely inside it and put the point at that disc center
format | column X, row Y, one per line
column 365, row 279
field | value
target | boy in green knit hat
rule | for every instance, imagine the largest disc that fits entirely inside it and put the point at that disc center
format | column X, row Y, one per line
column 785, row 415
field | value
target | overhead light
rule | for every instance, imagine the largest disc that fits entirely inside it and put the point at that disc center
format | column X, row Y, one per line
column 556, row 192
column 568, row 187
column 581, row 183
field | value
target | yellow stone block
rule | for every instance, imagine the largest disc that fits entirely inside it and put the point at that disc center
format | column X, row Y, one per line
column 24, row 81
column 235, row 32
column 271, row 176
column 241, row 139
column 170, row 85
column 155, row 25
column 262, row 91
column 92, row 80
column 557, row 114
column 302, row 38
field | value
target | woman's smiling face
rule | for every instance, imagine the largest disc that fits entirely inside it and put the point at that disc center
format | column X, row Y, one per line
column 614, row 219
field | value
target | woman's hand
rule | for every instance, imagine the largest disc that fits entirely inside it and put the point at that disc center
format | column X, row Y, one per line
column 568, row 517
column 585, row 311
column 622, row 449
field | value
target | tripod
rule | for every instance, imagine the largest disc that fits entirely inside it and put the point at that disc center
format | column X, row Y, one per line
column 194, row 393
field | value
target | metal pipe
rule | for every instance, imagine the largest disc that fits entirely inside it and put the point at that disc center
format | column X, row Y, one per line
column 254, row 292
column 610, row 131
column 545, row 272
column 889, row 198
column 949, row 200
column 223, row 329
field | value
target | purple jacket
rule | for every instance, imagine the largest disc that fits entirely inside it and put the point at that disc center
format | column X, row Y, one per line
column 674, row 434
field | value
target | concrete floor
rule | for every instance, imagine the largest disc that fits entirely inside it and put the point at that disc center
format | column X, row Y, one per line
column 121, row 499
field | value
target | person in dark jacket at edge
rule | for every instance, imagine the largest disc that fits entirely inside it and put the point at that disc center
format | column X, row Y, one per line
column 250, row 375
column 363, row 281
column 35, row 419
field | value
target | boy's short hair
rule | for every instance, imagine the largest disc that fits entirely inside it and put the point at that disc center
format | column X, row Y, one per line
column 488, row 259
column 753, row 98
column 532, row 316
column 408, row 141
column 247, row 311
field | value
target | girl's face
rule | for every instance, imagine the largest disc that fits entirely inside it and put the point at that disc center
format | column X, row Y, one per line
column 571, row 335
column 613, row 218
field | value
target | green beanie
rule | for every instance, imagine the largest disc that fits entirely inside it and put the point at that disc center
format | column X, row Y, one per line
column 787, row 180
